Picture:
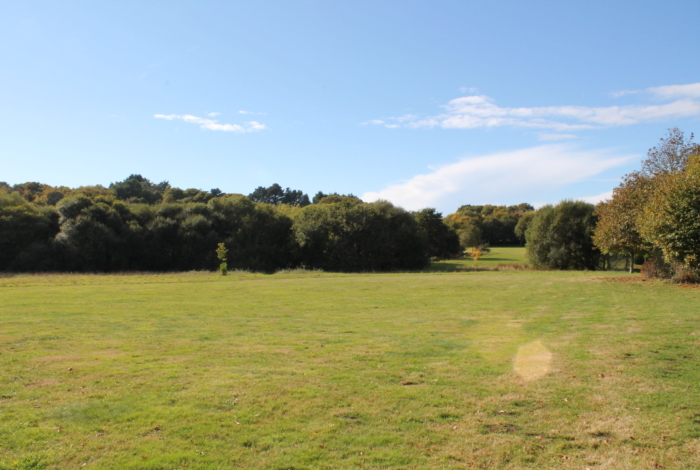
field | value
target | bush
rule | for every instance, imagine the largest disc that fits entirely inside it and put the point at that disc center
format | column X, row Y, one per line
column 656, row 268
column 560, row 237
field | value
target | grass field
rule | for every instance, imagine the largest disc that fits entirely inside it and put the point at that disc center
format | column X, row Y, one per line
column 505, row 257
column 497, row 370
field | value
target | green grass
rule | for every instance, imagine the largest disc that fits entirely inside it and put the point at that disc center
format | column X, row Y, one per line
column 499, row 256
column 314, row 370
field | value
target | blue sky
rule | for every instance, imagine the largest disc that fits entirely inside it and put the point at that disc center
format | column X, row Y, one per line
column 425, row 103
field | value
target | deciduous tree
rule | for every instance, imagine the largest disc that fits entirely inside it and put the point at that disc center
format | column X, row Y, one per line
column 561, row 237
column 671, row 218
column 617, row 231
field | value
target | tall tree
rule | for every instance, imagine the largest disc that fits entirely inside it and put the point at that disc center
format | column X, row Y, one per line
column 670, row 155
column 617, row 231
column 671, row 218
column 630, row 223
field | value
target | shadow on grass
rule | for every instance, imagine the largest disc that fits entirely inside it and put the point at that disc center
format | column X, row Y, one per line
column 451, row 267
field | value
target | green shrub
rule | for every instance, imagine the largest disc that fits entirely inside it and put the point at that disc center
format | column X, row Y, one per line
column 560, row 237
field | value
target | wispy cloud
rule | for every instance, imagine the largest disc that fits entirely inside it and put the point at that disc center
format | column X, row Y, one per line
column 520, row 174
column 618, row 94
column 667, row 92
column 481, row 111
column 250, row 112
column 394, row 123
column 214, row 125
column 676, row 91
column 213, row 114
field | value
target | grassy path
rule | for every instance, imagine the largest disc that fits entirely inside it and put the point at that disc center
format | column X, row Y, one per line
column 344, row 371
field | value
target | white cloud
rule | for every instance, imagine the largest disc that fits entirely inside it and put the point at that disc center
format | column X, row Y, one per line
column 478, row 111
column 213, row 114
column 379, row 122
column 557, row 136
column 520, row 174
column 618, row 94
column 249, row 112
column 676, row 91
column 213, row 125
column 596, row 199
column 406, row 118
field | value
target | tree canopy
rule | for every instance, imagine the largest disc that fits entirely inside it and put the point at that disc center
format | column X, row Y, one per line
column 276, row 195
column 670, row 220
column 137, row 225
column 653, row 212
column 356, row 236
column 617, row 231
column 443, row 240
column 488, row 224
column 136, row 188
column 561, row 237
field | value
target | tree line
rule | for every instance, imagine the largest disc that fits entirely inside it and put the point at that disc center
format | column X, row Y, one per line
column 139, row 225
column 491, row 225
column 654, row 213
column 135, row 224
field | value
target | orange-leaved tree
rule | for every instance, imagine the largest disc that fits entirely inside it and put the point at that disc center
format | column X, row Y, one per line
column 617, row 231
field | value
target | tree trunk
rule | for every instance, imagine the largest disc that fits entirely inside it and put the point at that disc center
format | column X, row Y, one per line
column 632, row 262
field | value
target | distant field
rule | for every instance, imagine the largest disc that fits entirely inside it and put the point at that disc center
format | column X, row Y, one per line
column 498, row 255
column 498, row 370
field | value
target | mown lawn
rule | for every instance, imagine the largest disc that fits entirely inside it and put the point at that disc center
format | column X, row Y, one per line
column 498, row 370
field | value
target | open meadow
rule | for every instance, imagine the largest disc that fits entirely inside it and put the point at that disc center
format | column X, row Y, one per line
column 310, row 370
